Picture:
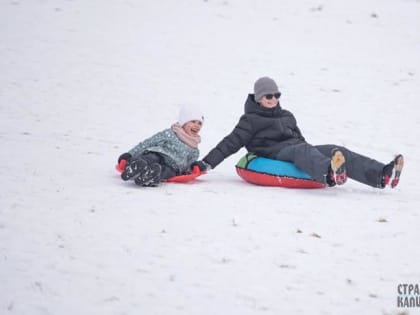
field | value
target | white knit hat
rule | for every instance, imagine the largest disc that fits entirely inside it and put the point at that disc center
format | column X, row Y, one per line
column 188, row 113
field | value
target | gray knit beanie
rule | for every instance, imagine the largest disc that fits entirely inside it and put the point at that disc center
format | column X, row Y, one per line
column 264, row 86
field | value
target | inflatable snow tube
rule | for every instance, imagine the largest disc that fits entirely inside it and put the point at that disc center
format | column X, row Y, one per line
column 268, row 172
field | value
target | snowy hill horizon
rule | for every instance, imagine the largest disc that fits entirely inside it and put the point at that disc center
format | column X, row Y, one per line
column 84, row 81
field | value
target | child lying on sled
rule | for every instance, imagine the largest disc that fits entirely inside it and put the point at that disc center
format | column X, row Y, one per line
column 167, row 153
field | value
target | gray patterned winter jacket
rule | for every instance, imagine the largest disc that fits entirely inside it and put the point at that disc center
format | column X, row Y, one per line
column 175, row 153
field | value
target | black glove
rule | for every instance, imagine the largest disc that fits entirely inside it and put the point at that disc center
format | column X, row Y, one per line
column 202, row 165
column 125, row 156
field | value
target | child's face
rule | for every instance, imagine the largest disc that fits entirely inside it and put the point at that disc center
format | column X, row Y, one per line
column 268, row 103
column 192, row 127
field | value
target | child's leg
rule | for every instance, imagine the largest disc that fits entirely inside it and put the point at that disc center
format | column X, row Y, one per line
column 360, row 168
column 166, row 171
column 144, row 169
column 308, row 158
column 150, row 177
column 134, row 168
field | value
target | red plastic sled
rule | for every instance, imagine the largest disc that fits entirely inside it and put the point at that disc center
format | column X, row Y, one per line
column 187, row 177
column 176, row 179
column 120, row 167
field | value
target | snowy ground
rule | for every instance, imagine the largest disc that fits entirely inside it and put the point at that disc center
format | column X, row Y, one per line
column 83, row 81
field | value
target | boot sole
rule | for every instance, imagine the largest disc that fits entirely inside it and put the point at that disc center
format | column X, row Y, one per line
column 338, row 166
column 398, row 166
column 337, row 160
column 151, row 177
column 134, row 169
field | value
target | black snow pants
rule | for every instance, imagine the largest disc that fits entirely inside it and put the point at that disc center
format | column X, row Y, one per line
column 315, row 161
column 153, row 157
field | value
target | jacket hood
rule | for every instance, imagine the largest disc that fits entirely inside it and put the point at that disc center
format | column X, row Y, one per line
column 252, row 107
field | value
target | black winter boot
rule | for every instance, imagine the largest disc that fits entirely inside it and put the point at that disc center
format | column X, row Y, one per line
column 134, row 168
column 150, row 177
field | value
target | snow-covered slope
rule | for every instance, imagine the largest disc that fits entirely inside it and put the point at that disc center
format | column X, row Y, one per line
column 83, row 81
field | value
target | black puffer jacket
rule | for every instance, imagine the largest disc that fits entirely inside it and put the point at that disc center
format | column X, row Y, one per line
column 263, row 131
